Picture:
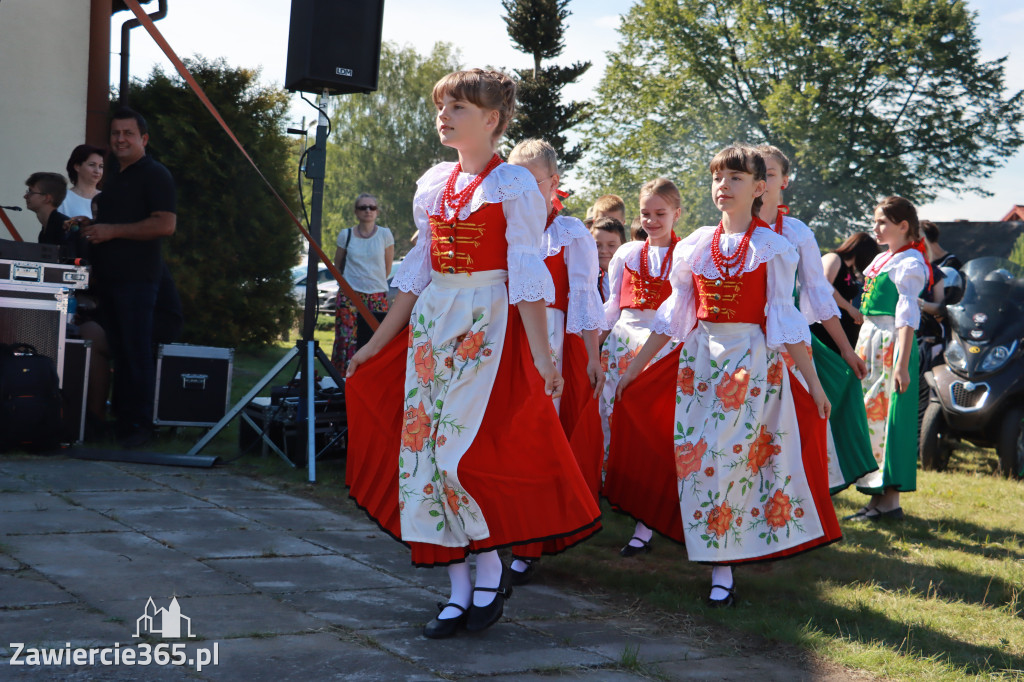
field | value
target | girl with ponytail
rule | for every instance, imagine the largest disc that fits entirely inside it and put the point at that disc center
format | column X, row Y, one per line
column 886, row 343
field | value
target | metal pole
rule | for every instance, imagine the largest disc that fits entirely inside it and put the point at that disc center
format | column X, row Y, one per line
column 307, row 374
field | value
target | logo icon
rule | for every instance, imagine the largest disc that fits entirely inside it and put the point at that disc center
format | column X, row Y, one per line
column 164, row 622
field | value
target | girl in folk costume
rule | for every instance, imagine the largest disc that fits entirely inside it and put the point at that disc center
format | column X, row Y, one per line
column 716, row 445
column 458, row 449
column 849, row 448
column 892, row 284
column 638, row 284
column 577, row 311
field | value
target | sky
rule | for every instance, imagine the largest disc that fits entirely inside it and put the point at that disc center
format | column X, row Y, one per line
column 254, row 33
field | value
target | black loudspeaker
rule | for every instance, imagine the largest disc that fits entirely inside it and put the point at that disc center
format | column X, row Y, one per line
column 334, row 45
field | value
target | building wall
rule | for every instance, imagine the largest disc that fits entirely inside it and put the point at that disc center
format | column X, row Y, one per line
column 44, row 61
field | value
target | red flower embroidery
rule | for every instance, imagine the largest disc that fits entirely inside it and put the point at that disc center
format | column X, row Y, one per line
column 739, row 521
column 604, row 361
column 755, row 391
column 710, row 471
column 702, row 387
column 416, row 430
column 428, row 489
column 625, row 360
column 878, row 408
column 775, row 374
column 688, row 457
column 410, row 337
column 719, row 519
column 449, row 362
column 732, row 390
column 738, row 448
column 697, row 515
column 887, row 356
column 761, row 450
column 441, row 440
column 487, row 352
column 684, row 380
column 790, row 362
column 423, row 359
column 777, row 511
column 469, row 349
column 452, row 497
column 798, row 512
column 754, row 512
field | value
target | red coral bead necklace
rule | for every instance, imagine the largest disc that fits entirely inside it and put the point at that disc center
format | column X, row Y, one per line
column 456, row 201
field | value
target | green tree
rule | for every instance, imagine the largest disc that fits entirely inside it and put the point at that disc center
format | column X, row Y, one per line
column 383, row 141
column 868, row 99
column 1017, row 253
column 234, row 246
column 537, row 27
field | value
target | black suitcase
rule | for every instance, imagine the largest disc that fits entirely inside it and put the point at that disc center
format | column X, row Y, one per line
column 30, row 400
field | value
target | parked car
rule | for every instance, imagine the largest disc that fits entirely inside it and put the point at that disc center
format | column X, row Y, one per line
column 323, row 275
column 327, row 292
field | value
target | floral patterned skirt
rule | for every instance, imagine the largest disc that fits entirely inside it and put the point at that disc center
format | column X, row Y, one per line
column 627, row 337
column 480, row 459
column 724, row 451
column 346, row 322
column 892, row 416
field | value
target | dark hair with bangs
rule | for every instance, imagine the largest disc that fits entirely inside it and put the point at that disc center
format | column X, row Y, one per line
column 80, row 155
column 486, row 89
column 861, row 247
column 745, row 160
column 898, row 209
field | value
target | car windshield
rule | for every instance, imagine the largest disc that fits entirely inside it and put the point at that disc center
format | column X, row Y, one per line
column 993, row 279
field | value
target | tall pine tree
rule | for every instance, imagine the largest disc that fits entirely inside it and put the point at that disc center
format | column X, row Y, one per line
column 537, row 28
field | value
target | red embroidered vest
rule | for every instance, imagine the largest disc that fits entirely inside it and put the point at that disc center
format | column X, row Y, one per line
column 719, row 300
column 560, row 274
column 642, row 294
column 472, row 245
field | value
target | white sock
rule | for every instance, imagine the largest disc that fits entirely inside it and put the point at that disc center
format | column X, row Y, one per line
column 643, row 532
column 462, row 587
column 721, row 575
column 520, row 565
column 488, row 574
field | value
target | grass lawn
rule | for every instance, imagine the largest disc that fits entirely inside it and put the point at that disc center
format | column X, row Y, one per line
column 937, row 596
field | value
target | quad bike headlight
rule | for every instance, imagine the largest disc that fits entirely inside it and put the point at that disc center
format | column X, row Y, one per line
column 955, row 355
column 997, row 357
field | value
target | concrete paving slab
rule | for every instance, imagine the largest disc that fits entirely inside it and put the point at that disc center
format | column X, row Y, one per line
column 114, row 566
column 543, row 601
column 258, row 499
column 221, row 544
column 60, row 475
column 397, row 563
column 64, row 520
column 54, row 626
column 393, row 607
column 301, row 658
column 32, row 501
column 27, row 588
column 206, row 518
column 304, row 574
column 9, row 563
column 596, row 674
column 157, row 498
column 738, row 669
column 610, row 638
column 305, row 520
column 207, row 480
column 357, row 542
column 220, row 617
column 504, row 648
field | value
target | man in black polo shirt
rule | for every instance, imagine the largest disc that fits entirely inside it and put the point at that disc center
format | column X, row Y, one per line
column 45, row 193
column 135, row 210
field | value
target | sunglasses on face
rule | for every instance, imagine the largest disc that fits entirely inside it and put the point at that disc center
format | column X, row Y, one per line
column 366, row 208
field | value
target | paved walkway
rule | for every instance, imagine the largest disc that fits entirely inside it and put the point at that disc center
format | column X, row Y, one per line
column 281, row 588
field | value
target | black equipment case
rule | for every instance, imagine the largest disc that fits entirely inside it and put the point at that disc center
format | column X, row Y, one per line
column 193, row 384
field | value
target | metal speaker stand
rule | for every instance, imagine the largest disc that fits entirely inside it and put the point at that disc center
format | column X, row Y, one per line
column 306, row 349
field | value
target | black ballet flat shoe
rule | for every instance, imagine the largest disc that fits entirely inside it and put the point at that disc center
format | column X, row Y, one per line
column 441, row 628
column 723, row 603
column 858, row 515
column 891, row 515
column 631, row 550
column 482, row 617
column 520, row 578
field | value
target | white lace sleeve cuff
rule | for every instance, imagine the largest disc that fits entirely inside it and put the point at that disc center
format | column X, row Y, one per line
column 783, row 322
column 818, row 303
column 909, row 275
column 413, row 274
column 528, row 277
column 585, row 310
